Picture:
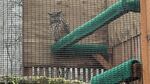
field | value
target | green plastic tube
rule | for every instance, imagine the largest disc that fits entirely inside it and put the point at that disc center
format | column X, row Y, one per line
column 115, row 75
column 113, row 12
column 83, row 50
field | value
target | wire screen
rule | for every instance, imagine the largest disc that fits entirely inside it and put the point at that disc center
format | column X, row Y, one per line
column 70, row 40
column 11, row 37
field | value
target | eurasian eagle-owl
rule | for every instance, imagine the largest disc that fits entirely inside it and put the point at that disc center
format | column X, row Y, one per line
column 59, row 27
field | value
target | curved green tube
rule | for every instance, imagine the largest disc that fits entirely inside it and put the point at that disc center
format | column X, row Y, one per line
column 113, row 12
column 115, row 75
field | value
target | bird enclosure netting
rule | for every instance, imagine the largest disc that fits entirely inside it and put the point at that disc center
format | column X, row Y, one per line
column 71, row 39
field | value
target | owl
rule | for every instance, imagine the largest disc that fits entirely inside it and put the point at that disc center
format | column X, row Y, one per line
column 58, row 25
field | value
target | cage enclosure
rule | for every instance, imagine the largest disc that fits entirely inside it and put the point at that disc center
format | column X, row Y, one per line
column 93, row 41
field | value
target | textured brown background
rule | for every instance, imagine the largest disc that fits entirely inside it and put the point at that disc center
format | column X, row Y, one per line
column 124, row 38
column 37, row 35
column 122, row 33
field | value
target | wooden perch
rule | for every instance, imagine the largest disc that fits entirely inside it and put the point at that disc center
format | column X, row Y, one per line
column 105, row 63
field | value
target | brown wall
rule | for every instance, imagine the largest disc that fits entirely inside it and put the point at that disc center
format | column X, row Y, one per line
column 37, row 35
column 123, row 33
column 124, row 37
